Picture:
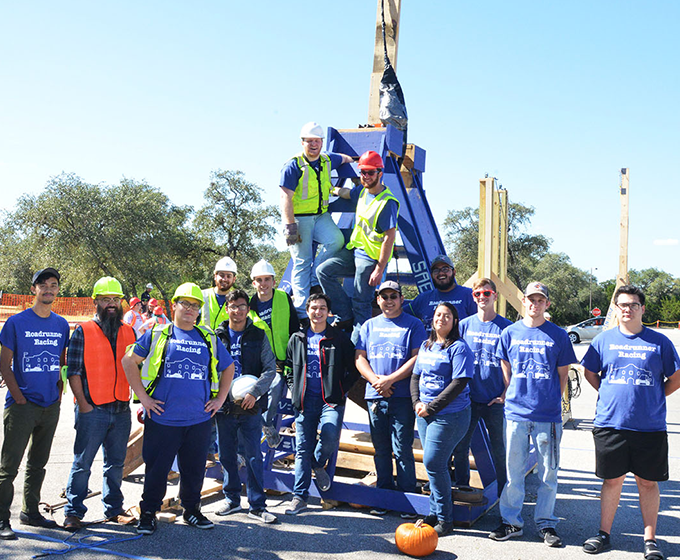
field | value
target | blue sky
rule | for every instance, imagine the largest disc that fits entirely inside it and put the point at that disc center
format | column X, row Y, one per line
column 551, row 98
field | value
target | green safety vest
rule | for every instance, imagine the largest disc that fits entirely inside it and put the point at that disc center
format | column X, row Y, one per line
column 155, row 361
column 364, row 234
column 212, row 315
column 278, row 335
column 310, row 198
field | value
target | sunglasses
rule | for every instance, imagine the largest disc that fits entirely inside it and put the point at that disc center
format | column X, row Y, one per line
column 485, row 293
column 370, row 172
column 390, row 296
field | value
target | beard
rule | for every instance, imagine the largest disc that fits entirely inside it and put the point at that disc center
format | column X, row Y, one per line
column 110, row 322
column 446, row 285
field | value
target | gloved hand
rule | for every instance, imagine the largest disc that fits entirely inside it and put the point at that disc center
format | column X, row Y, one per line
column 291, row 233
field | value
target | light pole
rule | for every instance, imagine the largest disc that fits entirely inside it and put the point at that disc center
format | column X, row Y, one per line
column 590, row 286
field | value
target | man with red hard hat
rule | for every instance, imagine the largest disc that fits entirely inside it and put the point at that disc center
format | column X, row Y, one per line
column 133, row 316
column 370, row 247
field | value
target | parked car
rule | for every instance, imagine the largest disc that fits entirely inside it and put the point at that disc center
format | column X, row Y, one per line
column 586, row 330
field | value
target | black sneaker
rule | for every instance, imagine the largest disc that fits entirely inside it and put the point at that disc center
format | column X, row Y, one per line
column 430, row 520
column 36, row 520
column 6, row 532
column 198, row 520
column 444, row 528
column 550, row 537
column 505, row 532
column 147, row 523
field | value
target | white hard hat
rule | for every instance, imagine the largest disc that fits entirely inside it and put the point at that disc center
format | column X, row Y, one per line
column 312, row 130
column 241, row 386
column 262, row 268
column 225, row 264
column 150, row 286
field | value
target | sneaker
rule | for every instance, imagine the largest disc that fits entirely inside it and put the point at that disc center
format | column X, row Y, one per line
column 147, row 523
column 505, row 532
column 6, row 532
column 323, row 481
column 298, row 505
column 550, row 537
column 444, row 528
column 378, row 511
column 198, row 520
column 228, row 508
column 272, row 436
column 408, row 515
column 36, row 520
column 262, row 515
column 430, row 520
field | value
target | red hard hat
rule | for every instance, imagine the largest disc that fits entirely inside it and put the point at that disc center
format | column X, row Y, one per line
column 134, row 301
column 158, row 311
column 153, row 301
column 370, row 160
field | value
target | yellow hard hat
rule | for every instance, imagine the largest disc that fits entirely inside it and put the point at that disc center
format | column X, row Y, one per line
column 107, row 286
column 188, row 290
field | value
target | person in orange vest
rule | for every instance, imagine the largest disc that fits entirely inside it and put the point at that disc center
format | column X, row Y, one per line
column 102, row 393
column 134, row 316
column 158, row 318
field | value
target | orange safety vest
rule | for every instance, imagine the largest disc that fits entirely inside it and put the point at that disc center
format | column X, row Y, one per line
column 106, row 379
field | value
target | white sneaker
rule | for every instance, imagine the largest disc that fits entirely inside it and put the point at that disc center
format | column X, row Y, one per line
column 262, row 515
column 298, row 505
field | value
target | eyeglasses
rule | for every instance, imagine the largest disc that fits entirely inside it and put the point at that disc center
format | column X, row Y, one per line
column 441, row 269
column 370, row 172
column 189, row 306
column 390, row 296
column 108, row 300
column 485, row 293
column 241, row 307
column 632, row 306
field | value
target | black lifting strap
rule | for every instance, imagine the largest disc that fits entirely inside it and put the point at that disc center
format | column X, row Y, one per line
column 392, row 103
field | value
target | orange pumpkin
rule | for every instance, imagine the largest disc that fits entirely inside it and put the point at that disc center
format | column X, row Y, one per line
column 416, row 539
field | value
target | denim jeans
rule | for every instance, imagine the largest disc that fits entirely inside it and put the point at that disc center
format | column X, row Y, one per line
column 494, row 419
column 277, row 390
column 439, row 434
column 392, row 426
column 24, row 423
column 99, row 428
column 310, row 453
column 546, row 437
column 241, row 431
column 322, row 229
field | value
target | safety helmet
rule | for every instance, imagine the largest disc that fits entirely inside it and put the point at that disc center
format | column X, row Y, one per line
column 371, row 160
column 150, row 286
column 134, row 301
column 107, row 286
column 153, row 301
column 158, row 310
column 225, row 264
column 262, row 268
column 312, row 130
column 188, row 290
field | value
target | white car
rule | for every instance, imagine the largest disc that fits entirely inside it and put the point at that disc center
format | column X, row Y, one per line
column 586, row 330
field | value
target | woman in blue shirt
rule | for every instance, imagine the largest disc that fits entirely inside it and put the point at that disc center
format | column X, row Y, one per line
column 441, row 399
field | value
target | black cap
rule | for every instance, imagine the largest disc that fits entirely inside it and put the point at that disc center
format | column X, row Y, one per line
column 44, row 274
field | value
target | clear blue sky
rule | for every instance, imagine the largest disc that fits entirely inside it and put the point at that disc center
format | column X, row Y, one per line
column 551, row 98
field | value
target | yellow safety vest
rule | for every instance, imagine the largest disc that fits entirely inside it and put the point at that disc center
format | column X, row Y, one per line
column 278, row 335
column 364, row 234
column 155, row 360
column 310, row 198
column 212, row 315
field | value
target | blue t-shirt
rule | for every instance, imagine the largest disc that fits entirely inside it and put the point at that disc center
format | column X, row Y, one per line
column 264, row 311
column 534, row 354
column 633, row 370
column 438, row 366
column 313, row 386
column 291, row 173
column 184, row 387
column 37, row 344
column 387, row 219
column 221, row 299
column 388, row 344
column 424, row 304
column 235, row 350
column 482, row 338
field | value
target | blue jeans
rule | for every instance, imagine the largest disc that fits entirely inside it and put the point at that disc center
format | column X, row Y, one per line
column 322, row 229
column 277, row 391
column 494, row 419
column 246, row 430
column 392, row 426
column 310, row 453
column 546, row 437
column 330, row 274
column 439, row 434
column 95, row 429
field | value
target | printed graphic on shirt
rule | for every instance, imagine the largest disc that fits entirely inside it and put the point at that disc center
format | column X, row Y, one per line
column 186, row 367
column 40, row 362
column 387, row 350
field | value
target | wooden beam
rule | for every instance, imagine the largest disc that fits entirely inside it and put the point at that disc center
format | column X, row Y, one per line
column 623, row 235
column 392, row 12
column 511, row 292
column 501, row 307
column 484, row 253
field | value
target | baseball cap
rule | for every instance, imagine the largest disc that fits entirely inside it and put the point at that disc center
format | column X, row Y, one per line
column 389, row 285
column 442, row 259
column 44, row 274
column 536, row 288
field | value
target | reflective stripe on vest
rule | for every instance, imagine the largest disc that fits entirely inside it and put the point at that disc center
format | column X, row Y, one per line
column 159, row 341
column 310, row 198
column 212, row 314
column 278, row 339
column 364, row 234
column 106, row 381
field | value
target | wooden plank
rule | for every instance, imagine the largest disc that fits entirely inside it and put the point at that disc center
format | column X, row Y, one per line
column 133, row 457
column 623, row 234
column 511, row 292
column 392, row 12
column 501, row 306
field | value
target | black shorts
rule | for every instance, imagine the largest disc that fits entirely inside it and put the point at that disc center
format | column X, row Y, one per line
column 618, row 452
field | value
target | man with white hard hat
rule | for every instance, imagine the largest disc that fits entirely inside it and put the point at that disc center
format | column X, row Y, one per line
column 277, row 312
column 146, row 296
column 305, row 191
column 214, row 311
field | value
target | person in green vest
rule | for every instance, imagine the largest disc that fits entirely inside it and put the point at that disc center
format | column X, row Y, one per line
column 305, row 190
column 369, row 249
column 274, row 307
column 214, row 310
